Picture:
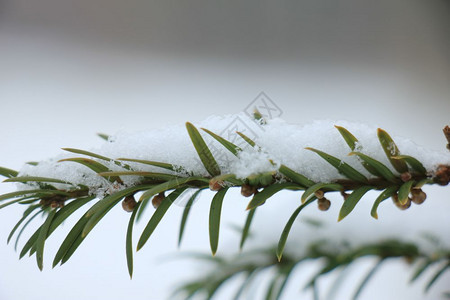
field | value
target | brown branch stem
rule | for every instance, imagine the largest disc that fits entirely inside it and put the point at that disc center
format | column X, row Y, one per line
column 446, row 131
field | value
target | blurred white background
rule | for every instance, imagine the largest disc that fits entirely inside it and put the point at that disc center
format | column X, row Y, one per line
column 70, row 69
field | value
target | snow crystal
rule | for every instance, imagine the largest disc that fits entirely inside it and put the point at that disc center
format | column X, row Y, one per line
column 277, row 140
column 252, row 162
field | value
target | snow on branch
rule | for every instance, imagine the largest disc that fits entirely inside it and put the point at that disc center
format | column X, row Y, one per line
column 262, row 157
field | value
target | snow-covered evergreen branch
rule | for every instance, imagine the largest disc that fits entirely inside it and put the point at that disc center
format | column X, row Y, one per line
column 161, row 166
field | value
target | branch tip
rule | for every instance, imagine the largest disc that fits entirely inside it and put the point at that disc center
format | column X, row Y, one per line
column 442, row 175
column 446, row 131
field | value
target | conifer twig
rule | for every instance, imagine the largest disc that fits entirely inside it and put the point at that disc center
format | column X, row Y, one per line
column 402, row 180
column 330, row 256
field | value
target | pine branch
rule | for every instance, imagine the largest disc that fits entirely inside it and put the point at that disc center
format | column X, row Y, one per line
column 331, row 257
column 59, row 198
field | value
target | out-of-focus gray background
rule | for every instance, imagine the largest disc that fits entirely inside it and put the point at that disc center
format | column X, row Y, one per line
column 69, row 69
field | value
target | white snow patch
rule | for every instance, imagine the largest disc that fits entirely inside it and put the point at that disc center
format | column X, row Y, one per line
column 252, row 161
column 279, row 141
